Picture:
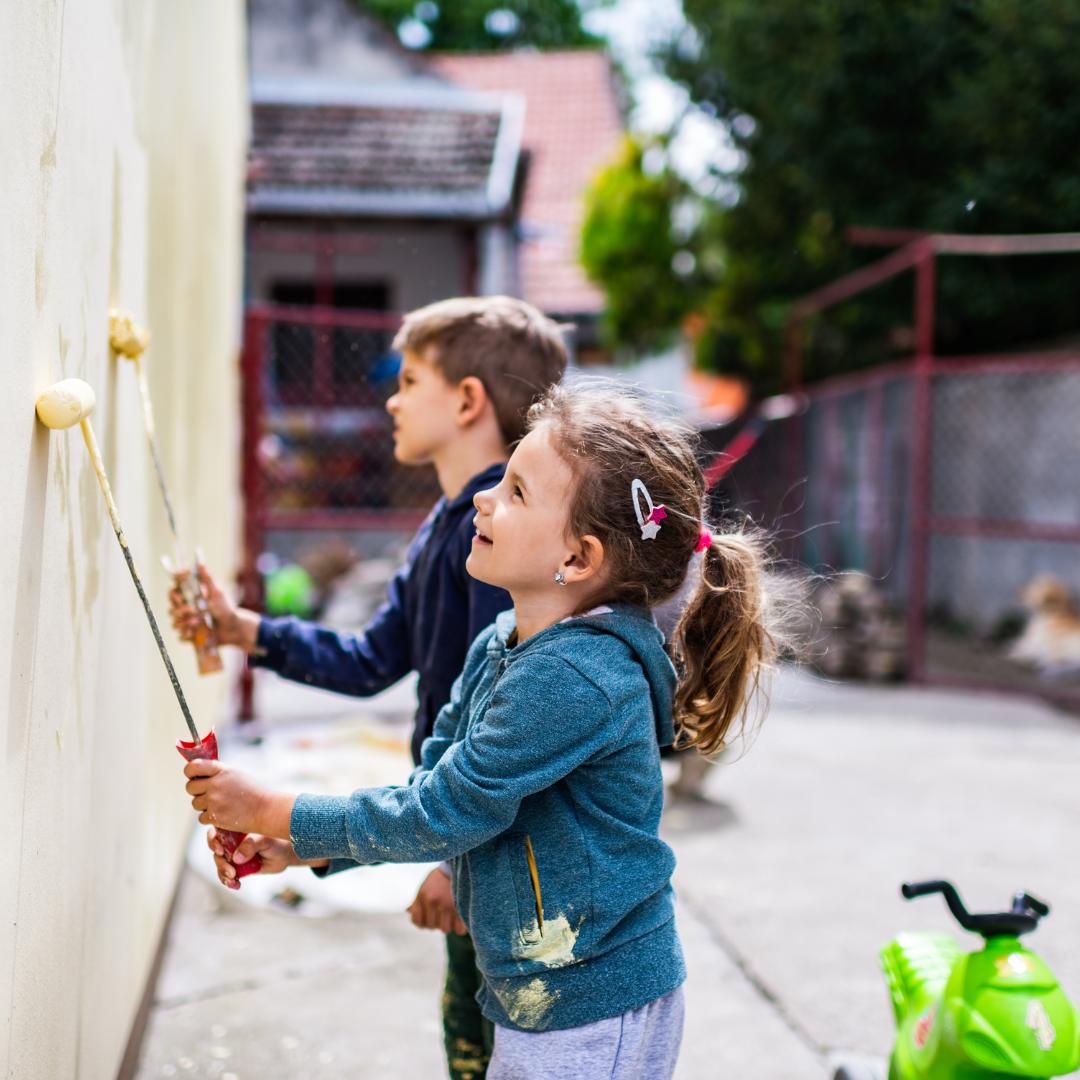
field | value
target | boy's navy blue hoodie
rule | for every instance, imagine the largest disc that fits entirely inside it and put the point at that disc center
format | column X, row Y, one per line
column 432, row 614
column 541, row 785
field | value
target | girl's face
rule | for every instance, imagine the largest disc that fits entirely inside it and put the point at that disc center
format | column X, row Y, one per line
column 521, row 539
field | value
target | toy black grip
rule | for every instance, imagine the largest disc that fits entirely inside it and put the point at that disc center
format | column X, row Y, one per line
column 1026, row 902
column 911, row 889
column 952, row 898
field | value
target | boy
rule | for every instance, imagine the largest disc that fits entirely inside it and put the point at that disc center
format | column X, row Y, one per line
column 470, row 369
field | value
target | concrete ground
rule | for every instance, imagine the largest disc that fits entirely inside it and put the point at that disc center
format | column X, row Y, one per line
column 787, row 881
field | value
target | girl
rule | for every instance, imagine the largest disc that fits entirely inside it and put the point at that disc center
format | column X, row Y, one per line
column 541, row 783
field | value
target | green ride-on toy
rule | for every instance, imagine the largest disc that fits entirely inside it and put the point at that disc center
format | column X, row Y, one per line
column 993, row 1014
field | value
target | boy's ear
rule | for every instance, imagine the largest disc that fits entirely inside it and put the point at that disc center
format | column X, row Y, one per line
column 584, row 562
column 472, row 400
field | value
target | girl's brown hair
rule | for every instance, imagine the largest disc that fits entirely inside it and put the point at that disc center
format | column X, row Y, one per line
column 723, row 640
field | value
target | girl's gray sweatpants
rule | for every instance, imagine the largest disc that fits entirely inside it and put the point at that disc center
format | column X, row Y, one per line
column 642, row 1044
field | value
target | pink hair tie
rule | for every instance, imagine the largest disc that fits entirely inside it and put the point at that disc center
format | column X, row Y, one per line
column 704, row 540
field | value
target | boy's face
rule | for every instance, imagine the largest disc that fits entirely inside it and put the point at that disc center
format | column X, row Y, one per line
column 521, row 523
column 424, row 410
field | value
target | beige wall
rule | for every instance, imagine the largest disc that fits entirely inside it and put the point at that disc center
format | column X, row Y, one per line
column 122, row 124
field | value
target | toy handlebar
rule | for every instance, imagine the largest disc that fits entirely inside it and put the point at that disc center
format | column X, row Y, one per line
column 926, row 888
column 1020, row 919
column 1024, row 900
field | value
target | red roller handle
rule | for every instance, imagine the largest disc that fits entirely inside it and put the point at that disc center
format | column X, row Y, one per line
column 230, row 841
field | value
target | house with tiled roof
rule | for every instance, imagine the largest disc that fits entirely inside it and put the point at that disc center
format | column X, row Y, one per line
column 573, row 125
column 380, row 180
column 417, row 176
column 372, row 182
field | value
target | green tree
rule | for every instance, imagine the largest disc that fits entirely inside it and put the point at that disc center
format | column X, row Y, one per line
column 942, row 115
column 483, row 25
column 630, row 246
column 829, row 105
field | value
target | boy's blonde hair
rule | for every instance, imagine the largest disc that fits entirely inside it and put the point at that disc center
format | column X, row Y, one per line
column 515, row 350
column 727, row 633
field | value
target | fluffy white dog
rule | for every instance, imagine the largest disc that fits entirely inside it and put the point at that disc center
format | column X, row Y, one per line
column 1051, row 638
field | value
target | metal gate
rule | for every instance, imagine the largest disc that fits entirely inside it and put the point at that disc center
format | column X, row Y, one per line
column 953, row 481
column 317, row 452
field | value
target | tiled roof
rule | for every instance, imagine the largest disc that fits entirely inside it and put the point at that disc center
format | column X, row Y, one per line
column 381, row 156
column 572, row 129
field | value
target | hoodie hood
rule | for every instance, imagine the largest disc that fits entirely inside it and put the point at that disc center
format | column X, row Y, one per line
column 634, row 627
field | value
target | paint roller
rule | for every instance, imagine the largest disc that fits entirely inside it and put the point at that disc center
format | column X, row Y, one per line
column 130, row 341
column 63, row 405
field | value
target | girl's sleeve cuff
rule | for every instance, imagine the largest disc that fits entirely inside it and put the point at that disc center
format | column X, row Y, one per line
column 317, row 827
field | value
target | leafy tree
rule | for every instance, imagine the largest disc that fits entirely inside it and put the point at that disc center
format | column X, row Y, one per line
column 484, row 25
column 941, row 115
column 630, row 246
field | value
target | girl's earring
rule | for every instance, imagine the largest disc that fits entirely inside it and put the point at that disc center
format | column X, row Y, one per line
column 560, row 578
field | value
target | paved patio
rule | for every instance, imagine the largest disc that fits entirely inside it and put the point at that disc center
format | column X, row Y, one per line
column 787, row 880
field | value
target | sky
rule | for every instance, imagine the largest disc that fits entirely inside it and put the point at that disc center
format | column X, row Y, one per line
column 633, row 28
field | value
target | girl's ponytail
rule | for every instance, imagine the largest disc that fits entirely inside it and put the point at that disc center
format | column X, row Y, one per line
column 727, row 633
column 722, row 642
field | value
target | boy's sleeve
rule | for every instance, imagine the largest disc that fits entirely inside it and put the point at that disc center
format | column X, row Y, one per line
column 544, row 720
column 359, row 664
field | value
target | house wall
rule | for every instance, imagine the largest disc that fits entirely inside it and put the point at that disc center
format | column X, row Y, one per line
column 123, row 152
column 497, row 259
column 421, row 263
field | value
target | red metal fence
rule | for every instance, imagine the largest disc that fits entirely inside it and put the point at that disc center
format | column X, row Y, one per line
column 951, row 481
column 317, row 452
column 954, row 482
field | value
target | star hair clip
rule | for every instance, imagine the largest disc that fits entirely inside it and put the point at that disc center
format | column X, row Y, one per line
column 649, row 516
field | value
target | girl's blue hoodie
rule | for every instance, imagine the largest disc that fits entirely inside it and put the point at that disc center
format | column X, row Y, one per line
column 541, row 786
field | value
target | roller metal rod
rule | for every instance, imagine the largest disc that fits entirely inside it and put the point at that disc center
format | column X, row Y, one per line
column 61, row 406
column 151, row 438
column 129, row 340
column 103, row 481
column 194, row 586
column 190, row 585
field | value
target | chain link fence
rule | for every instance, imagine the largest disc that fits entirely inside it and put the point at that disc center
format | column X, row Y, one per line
column 951, row 488
column 977, row 547
column 318, row 445
column 321, row 435
column 322, row 488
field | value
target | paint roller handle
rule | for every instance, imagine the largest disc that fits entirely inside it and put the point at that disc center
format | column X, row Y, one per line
column 207, row 749
column 205, row 637
column 207, row 653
